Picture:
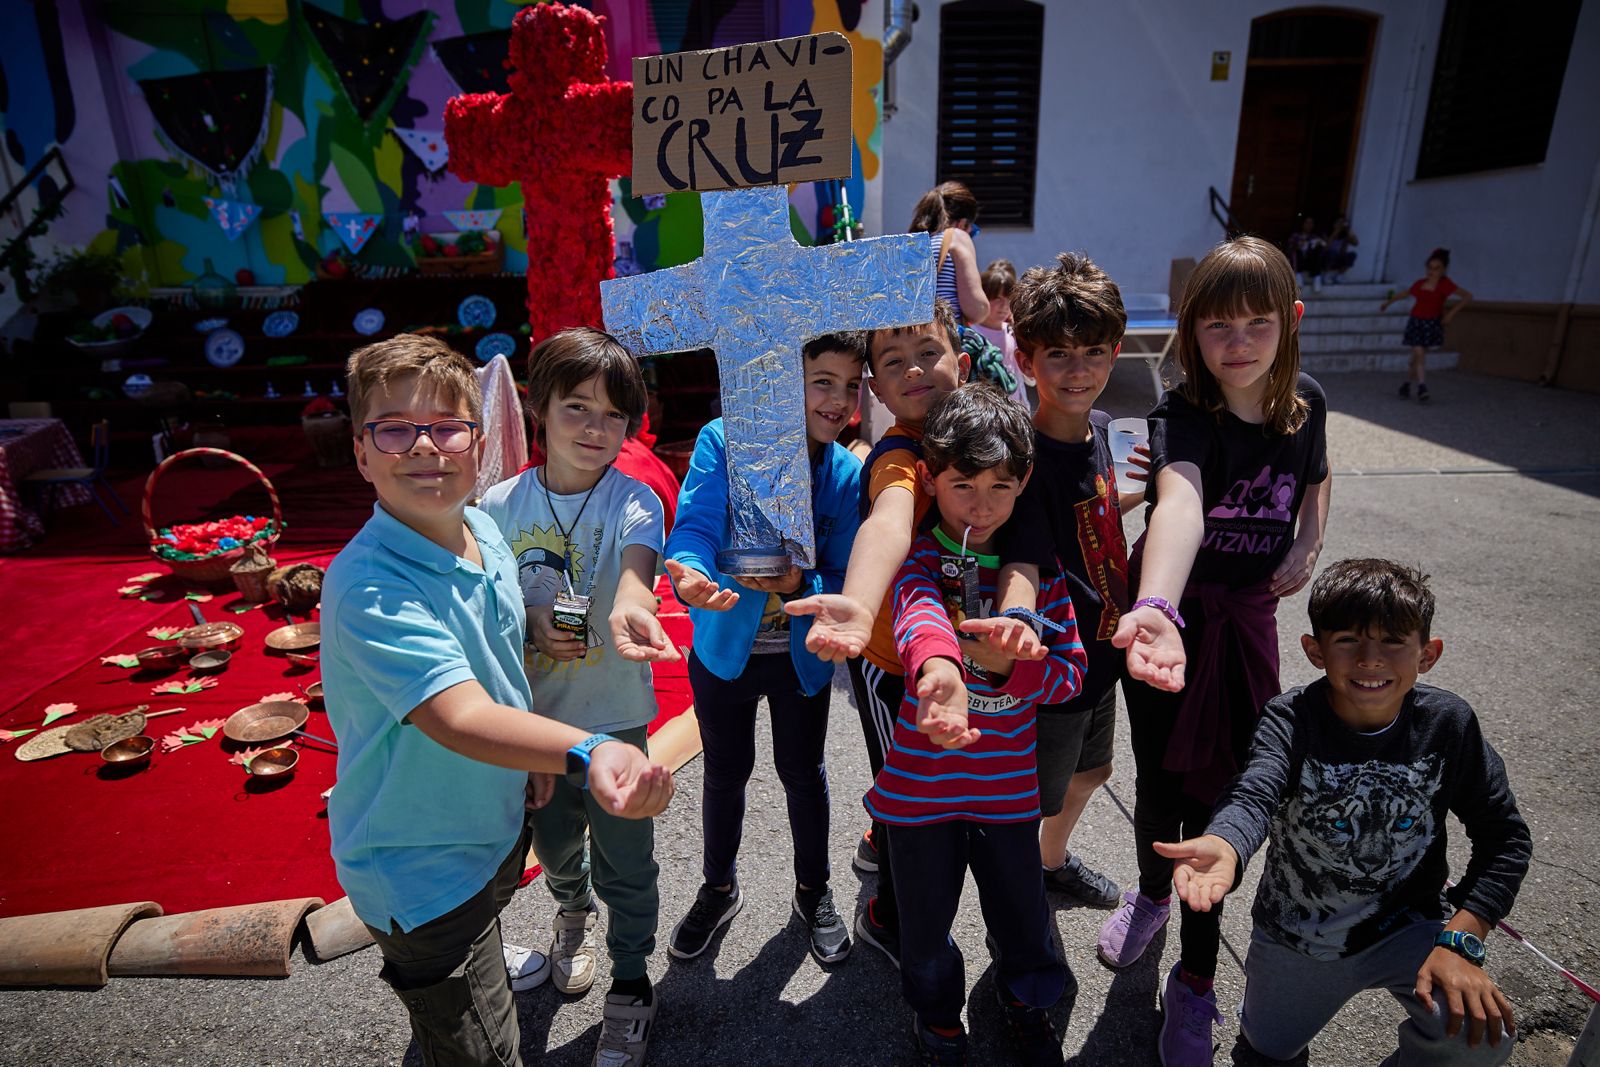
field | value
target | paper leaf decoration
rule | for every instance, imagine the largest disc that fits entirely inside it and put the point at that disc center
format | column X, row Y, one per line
column 193, row 685
column 473, row 220
column 240, row 609
column 193, row 734
column 353, row 228
column 198, row 598
column 57, row 711
column 121, row 659
column 131, row 590
column 243, row 758
column 427, row 145
column 147, row 576
column 164, row 633
column 274, row 697
column 12, row 735
column 233, row 217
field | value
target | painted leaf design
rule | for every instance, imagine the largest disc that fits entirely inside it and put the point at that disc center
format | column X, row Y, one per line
column 131, row 590
column 272, row 697
column 147, row 576
column 164, row 633
column 198, row 598
column 121, row 659
column 12, row 735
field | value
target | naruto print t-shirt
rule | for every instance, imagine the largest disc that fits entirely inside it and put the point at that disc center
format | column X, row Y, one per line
column 1068, row 519
column 1253, row 482
column 550, row 532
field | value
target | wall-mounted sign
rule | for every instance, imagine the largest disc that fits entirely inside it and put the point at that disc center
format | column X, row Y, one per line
column 1219, row 65
column 731, row 118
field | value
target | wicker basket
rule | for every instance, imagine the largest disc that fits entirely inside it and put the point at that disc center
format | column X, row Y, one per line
column 213, row 570
column 250, row 573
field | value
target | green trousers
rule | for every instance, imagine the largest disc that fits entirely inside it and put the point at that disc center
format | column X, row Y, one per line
column 580, row 845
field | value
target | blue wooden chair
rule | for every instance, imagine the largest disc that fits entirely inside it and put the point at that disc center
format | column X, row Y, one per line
column 46, row 482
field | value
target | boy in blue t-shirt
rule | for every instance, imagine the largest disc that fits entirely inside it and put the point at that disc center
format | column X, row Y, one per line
column 438, row 753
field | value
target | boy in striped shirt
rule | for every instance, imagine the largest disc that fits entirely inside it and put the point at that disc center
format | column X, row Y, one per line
column 959, row 784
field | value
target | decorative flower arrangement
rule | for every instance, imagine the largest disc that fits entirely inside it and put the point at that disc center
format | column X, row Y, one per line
column 201, row 540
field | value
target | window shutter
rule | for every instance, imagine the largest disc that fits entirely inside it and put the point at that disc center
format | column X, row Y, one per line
column 1496, row 84
column 989, row 61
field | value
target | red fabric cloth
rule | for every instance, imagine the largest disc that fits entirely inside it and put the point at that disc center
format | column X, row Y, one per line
column 193, row 830
column 1430, row 302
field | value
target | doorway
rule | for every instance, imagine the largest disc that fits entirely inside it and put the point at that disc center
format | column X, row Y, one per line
column 1304, row 91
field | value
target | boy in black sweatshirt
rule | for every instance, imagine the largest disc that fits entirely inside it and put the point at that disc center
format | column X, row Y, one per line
column 1353, row 776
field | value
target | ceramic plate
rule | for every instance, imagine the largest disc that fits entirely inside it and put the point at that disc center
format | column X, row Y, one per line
column 368, row 322
column 224, row 347
column 497, row 344
column 476, row 312
column 280, row 324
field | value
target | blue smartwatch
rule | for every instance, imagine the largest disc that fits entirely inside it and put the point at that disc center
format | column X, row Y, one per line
column 1468, row 946
column 578, row 759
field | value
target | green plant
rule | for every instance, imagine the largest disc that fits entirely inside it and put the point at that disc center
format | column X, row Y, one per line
column 79, row 270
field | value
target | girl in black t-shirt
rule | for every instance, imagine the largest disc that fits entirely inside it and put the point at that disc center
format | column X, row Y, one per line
column 1238, row 498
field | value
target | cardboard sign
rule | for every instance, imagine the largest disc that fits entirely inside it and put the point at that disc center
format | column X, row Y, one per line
column 733, row 118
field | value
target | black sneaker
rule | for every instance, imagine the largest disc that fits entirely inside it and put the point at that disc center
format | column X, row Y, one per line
column 1405, row 390
column 1422, row 394
column 885, row 939
column 938, row 1050
column 1083, row 883
column 1038, row 1044
column 866, row 858
column 830, row 940
column 712, row 908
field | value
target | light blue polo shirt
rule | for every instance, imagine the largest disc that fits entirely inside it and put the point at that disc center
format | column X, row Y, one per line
column 416, row 828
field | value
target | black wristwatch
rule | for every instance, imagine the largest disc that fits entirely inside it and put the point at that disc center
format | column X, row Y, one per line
column 578, row 759
column 1468, row 946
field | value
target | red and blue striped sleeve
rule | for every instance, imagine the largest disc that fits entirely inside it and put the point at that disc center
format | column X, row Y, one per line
column 922, row 629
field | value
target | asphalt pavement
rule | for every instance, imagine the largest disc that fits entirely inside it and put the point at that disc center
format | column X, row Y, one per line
column 1494, row 490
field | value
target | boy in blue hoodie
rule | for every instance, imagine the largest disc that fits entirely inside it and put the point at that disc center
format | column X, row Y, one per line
column 746, row 648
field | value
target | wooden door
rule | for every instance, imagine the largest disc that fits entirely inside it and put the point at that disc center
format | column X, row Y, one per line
column 1296, row 150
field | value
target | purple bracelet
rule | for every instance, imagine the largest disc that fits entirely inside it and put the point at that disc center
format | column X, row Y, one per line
column 1161, row 604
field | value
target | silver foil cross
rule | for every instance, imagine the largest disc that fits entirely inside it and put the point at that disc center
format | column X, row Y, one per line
column 755, row 297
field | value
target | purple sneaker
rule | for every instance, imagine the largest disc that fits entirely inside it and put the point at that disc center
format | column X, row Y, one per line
column 1186, row 1024
column 1125, row 936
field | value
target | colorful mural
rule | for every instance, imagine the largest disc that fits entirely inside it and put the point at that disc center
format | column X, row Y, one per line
column 240, row 130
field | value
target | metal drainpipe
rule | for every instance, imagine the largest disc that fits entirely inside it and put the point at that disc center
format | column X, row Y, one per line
column 1580, row 253
column 897, row 19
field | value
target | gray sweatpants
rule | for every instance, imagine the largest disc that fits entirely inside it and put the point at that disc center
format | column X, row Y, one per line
column 1289, row 997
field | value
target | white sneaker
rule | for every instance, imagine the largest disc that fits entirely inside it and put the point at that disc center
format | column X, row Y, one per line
column 624, row 1031
column 572, row 954
column 527, row 968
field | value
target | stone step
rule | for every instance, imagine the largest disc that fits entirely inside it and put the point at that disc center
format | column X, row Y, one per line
column 1318, row 320
column 1397, row 361
column 1377, row 341
column 1353, row 291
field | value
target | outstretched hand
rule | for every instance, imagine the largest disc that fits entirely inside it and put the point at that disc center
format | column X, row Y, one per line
column 1155, row 648
column 639, row 636
column 626, row 783
column 1203, row 869
column 840, row 627
column 942, row 705
column 698, row 591
column 1012, row 638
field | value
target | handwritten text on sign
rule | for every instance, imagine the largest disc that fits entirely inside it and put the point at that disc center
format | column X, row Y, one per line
column 731, row 118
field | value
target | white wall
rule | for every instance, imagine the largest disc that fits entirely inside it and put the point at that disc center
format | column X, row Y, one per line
column 1133, row 132
column 1511, row 233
